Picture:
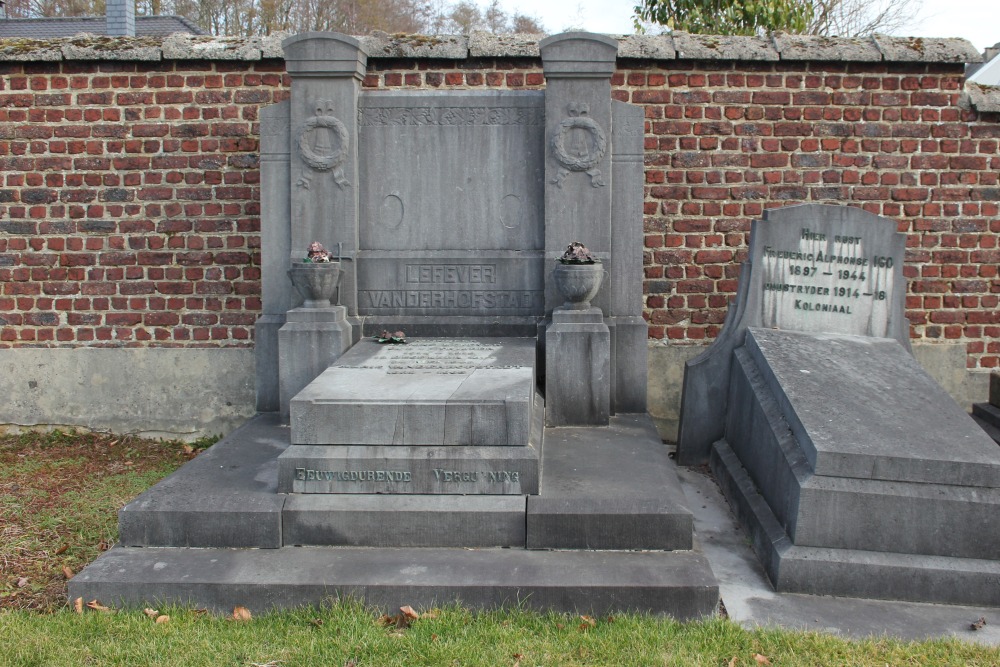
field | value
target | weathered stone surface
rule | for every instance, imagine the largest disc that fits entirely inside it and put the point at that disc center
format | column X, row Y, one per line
column 812, row 48
column 723, row 47
column 155, row 391
column 427, row 392
column 226, row 497
column 404, row 521
column 409, row 470
column 985, row 99
column 612, row 488
column 310, row 340
column 383, row 45
column 595, row 582
column 30, row 50
column 927, row 49
column 95, row 47
column 815, row 268
column 184, row 46
column 863, row 408
column 846, row 572
column 484, row 44
column 578, row 369
column 646, row 47
column 270, row 45
column 995, row 389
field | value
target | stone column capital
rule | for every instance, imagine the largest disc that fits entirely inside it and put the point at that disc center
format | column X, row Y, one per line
column 578, row 55
column 325, row 54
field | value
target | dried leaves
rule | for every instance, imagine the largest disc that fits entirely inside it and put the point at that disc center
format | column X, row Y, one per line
column 241, row 614
column 978, row 625
column 405, row 618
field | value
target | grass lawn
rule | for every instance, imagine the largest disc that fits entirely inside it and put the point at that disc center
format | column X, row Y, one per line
column 59, row 494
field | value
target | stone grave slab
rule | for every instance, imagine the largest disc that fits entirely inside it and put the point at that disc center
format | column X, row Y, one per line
column 429, row 392
column 844, row 460
column 408, row 472
column 813, row 267
column 863, row 408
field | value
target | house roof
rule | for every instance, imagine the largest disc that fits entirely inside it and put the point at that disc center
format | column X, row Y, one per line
column 988, row 72
column 49, row 28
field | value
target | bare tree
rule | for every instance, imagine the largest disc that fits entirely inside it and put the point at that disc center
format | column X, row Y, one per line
column 855, row 18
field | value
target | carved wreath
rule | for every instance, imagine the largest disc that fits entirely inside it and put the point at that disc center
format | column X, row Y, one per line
column 588, row 162
column 327, row 162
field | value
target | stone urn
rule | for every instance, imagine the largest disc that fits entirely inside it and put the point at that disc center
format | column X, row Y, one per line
column 316, row 282
column 578, row 283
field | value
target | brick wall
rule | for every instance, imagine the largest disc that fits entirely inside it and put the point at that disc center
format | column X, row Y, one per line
column 129, row 202
column 129, row 198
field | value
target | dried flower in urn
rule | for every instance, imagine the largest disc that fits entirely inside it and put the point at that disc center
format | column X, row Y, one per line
column 317, row 253
column 577, row 253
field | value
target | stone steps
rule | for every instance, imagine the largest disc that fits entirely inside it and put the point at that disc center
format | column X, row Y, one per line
column 845, row 511
column 849, row 572
column 605, row 488
column 679, row 584
column 227, row 536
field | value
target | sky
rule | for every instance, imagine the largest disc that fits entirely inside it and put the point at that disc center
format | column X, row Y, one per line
column 976, row 20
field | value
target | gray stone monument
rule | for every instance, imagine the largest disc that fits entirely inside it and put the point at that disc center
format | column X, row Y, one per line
column 853, row 471
column 500, row 455
column 988, row 414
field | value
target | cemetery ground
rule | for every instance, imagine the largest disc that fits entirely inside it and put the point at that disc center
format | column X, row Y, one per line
column 59, row 495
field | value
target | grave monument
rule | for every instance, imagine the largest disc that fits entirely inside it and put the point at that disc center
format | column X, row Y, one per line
column 501, row 454
column 854, row 473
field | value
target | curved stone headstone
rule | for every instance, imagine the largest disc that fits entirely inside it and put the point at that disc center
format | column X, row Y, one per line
column 812, row 268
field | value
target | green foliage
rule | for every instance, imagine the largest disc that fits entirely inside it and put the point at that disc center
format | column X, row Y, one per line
column 728, row 17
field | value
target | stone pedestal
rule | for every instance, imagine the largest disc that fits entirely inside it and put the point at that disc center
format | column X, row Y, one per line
column 310, row 340
column 578, row 368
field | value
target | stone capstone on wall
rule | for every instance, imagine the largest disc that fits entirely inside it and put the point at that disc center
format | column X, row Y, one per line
column 679, row 45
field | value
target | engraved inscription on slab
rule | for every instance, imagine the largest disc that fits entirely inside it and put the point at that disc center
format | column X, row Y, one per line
column 451, row 286
column 437, row 356
column 451, row 115
column 826, row 282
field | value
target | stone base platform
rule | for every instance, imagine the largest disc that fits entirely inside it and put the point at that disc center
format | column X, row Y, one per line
column 856, row 475
column 595, row 582
column 987, row 416
column 217, row 533
column 849, row 572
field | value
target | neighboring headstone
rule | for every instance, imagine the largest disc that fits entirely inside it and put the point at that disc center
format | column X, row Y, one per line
column 812, row 267
column 853, row 471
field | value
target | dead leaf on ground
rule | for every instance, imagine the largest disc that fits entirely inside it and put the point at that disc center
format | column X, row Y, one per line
column 408, row 612
column 97, row 606
column 188, row 449
column 152, row 613
column 761, row 660
column 163, row 618
column 68, row 573
column 318, row 622
column 588, row 622
column 517, row 659
column 22, row 582
column 61, row 550
column 78, row 605
column 732, row 663
column 241, row 614
column 978, row 625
